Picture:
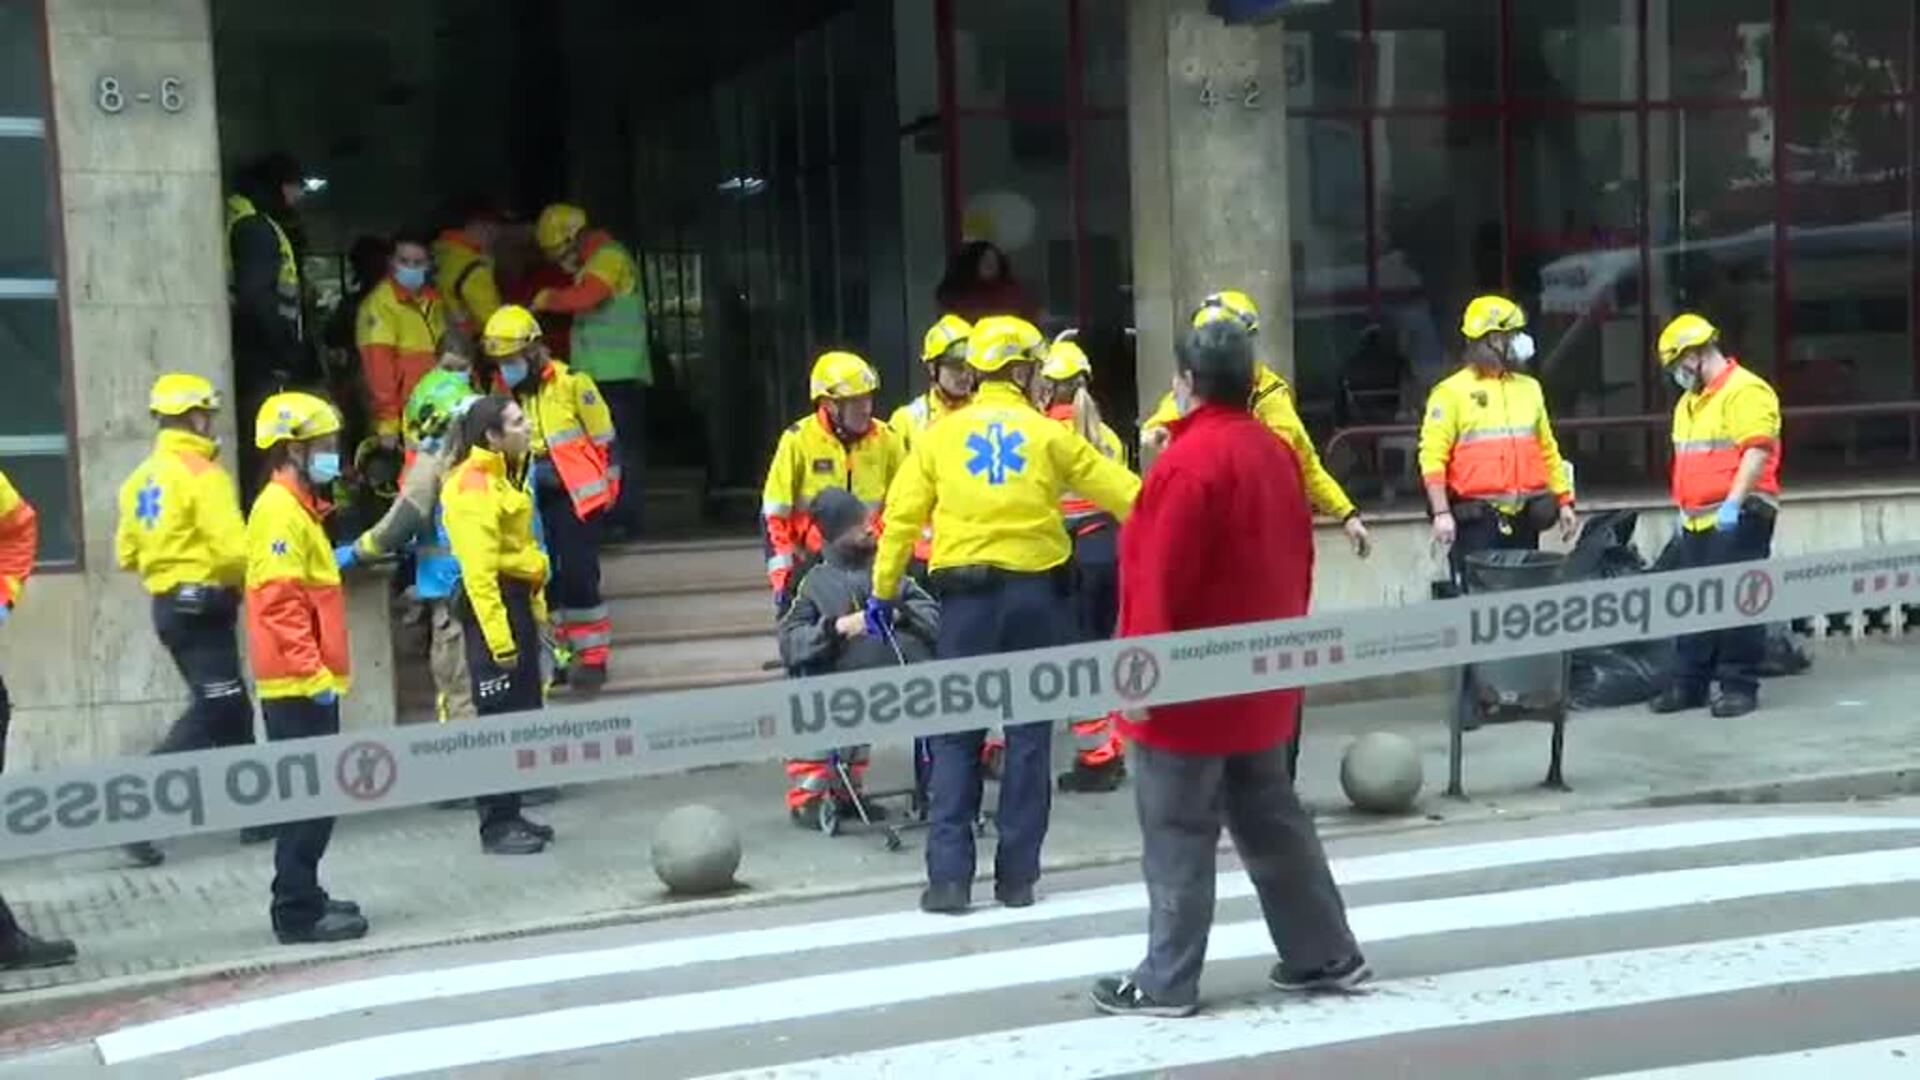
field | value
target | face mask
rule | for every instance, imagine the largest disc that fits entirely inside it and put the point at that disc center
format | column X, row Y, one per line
column 514, row 372
column 1182, row 399
column 430, row 445
column 410, row 277
column 1686, row 378
column 1520, row 349
column 324, row 466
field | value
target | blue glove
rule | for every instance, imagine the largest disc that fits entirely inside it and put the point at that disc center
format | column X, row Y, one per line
column 780, row 602
column 326, row 697
column 1728, row 517
column 6, row 612
column 345, row 556
column 879, row 617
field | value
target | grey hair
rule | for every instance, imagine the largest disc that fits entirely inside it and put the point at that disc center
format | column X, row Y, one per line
column 1218, row 358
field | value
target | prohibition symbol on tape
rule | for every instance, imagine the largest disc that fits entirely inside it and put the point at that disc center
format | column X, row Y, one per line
column 1135, row 673
column 365, row 771
column 1753, row 592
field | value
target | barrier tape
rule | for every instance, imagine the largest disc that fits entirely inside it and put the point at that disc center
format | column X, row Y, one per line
column 152, row 798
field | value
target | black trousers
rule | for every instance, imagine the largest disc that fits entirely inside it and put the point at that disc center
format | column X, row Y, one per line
column 573, row 589
column 503, row 690
column 1096, row 583
column 627, row 401
column 1488, row 531
column 1731, row 656
column 200, row 638
column 6, row 720
column 298, row 899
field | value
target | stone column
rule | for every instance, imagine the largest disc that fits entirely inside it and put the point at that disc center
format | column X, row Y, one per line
column 1207, row 124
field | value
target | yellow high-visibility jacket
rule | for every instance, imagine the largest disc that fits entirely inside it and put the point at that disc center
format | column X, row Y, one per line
column 180, row 521
column 990, row 477
column 1713, row 428
column 573, row 431
column 809, row 459
column 296, row 612
column 489, row 522
column 1487, row 437
column 464, row 276
column 1272, row 404
column 916, row 416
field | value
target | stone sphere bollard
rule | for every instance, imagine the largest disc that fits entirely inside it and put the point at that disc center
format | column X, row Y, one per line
column 1381, row 773
column 696, row 850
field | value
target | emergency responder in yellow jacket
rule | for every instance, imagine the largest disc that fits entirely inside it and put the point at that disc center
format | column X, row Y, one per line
column 840, row 445
column 990, row 478
column 949, row 385
column 576, row 478
column 297, row 639
column 1492, row 468
column 463, row 269
column 1273, row 405
column 398, row 334
column 1726, row 483
column 609, row 339
column 1064, row 391
column 489, row 521
column 181, row 530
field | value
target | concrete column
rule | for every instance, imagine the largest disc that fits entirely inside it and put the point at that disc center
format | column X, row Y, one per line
column 1207, row 124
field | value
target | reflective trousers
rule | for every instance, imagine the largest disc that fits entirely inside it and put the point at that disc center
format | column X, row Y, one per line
column 581, row 623
column 1096, row 605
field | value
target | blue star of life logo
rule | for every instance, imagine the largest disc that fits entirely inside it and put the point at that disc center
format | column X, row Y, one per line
column 146, row 503
column 996, row 452
column 279, row 547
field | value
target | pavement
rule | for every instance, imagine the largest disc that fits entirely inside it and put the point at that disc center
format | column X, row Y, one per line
column 1702, row 943
column 1845, row 730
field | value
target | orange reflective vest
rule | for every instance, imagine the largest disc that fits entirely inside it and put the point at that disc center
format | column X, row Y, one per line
column 296, row 611
column 809, row 459
column 1488, row 437
column 1713, row 428
column 19, row 539
column 573, row 432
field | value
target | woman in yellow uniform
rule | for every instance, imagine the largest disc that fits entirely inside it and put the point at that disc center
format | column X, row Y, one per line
column 1062, row 390
column 489, row 522
column 297, row 639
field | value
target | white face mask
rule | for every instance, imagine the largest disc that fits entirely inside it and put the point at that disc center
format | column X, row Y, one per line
column 1520, row 349
column 1686, row 377
column 1182, row 397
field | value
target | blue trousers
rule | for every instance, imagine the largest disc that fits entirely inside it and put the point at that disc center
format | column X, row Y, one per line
column 1013, row 612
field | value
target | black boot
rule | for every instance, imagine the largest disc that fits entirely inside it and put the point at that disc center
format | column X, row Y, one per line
column 334, row 925
column 143, row 853
column 1677, row 698
column 1092, row 779
column 1732, row 703
column 23, row 951
column 511, row 837
column 946, row 898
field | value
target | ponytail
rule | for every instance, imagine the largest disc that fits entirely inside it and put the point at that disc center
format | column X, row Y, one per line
column 1086, row 416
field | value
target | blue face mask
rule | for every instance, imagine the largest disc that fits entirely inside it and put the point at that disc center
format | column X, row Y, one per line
column 410, row 277
column 514, row 372
column 324, row 466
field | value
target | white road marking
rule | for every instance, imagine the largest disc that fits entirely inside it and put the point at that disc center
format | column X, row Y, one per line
column 1109, row 1046
column 199, row 1028
column 582, row 1027
column 1866, row 1060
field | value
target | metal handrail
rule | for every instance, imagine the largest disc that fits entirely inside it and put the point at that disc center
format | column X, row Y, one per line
column 1654, row 421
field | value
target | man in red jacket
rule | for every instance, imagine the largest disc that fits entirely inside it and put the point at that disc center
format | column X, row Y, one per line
column 1221, row 535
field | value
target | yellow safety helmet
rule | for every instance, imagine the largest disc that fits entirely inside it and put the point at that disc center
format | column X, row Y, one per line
column 1486, row 314
column 840, row 374
column 177, row 393
column 1066, row 360
column 1228, row 304
column 557, row 226
column 293, row 416
column 999, row 340
column 1684, row 333
column 950, row 331
column 509, row 331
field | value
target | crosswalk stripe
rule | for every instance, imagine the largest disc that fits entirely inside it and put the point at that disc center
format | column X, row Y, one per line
column 582, row 1027
column 1107, row 1046
column 1882, row 1057
column 196, row 1029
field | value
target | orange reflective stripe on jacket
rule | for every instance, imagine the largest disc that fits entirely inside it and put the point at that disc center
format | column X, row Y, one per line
column 809, row 459
column 296, row 611
column 1713, row 429
column 573, row 430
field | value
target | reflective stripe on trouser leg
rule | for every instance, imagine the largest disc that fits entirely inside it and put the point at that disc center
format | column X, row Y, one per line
column 1095, row 742
column 592, row 634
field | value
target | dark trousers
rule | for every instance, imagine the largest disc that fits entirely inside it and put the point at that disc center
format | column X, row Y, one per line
column 9, row 928
column 573, row 546
column 204, row 649
column 627, row 401
column 1731, row 656
column 298, row 899
column 1096, row 583
column 6, row 721
column 1488, row 531
column 1008, row 613
column 1183, row 799
column 503, row 690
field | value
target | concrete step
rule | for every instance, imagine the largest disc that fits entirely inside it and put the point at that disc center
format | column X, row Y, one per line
column 679, row 568
column 666, row 617
column 736, row 655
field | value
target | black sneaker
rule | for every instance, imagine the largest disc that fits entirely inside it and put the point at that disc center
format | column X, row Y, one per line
column 1011, row 894
column 946, row 898
column 1093, row 779
column 511, row 838
column 1118, row 995
column 23, row 951
column 332, row 926
column 544, row 832
column 1732, row 703
column 342, row 907
column 1339, row 977
column 1678, row 699
column 143, row 853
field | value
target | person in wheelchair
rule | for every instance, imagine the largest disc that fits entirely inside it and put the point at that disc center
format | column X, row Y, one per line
column 825, row 630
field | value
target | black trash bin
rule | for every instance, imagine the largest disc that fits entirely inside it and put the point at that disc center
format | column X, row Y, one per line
column 1508, row 691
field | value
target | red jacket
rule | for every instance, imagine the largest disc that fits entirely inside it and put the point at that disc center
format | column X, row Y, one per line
column 1221, row 534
